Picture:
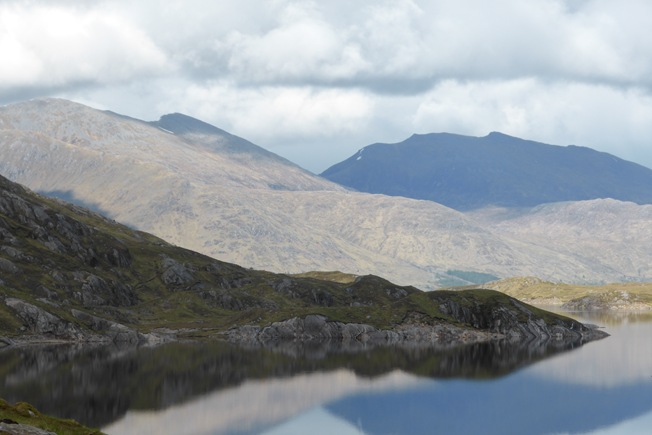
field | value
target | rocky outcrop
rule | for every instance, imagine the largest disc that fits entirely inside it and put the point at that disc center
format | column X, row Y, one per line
column 320, row 328
column 517, row 321
column 478, row 317
column 113, row 331
column 174, row 273
column 41, row 325
column 12, row 428
column 40, row 322
column 615, row 300
column 311, row 328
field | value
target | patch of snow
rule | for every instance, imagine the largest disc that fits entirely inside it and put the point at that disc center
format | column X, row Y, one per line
column 167, row 131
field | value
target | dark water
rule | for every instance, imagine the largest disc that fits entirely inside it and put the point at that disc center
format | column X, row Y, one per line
column 214, row 388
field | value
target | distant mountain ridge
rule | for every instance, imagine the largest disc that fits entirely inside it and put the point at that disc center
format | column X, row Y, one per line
column 199, row 187
column 466, row 173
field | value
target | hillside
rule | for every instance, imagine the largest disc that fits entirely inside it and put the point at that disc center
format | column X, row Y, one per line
column 616, row 296
column 467, row 173
column 71, row 274
column 610, row 232
column 204, row 189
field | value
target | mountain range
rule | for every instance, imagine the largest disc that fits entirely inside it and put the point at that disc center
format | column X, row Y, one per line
column 204, row 189
column 467, row 173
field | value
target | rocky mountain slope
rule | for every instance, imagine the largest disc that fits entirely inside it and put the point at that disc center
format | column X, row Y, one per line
column 468, row 173
column 67, row 273
column 613, row 234
column 206, row 190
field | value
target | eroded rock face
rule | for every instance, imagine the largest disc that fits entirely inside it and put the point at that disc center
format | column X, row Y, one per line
column 114, row 331
column 39, row 321
column 96, row 291
column 515, row 322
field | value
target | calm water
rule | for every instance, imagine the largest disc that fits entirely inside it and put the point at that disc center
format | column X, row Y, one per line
column 604, row 387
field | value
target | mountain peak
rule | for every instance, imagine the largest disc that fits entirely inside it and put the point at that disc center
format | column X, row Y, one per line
column 179, row 123
column 497, row 135
column 466, row 172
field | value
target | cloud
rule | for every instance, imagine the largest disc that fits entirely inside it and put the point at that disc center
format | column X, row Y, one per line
column 55, row 46
column 278, row 112
column 606, row 118
column 395, row 47
column 406, row 46
column 311, row 77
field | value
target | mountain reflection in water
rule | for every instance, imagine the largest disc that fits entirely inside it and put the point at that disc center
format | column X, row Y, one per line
column 98, row 385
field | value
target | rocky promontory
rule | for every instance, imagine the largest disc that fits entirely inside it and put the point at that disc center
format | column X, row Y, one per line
column 474, row 322
column 72, row 275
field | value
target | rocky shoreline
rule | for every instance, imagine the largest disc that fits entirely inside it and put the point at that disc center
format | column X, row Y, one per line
column 471, row 324
column 315, row 328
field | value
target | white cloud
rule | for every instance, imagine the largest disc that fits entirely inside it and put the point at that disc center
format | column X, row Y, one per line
column 279, row 112
column 54, row 46
column 606, row 118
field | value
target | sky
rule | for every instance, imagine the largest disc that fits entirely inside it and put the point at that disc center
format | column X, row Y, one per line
column 314, row 81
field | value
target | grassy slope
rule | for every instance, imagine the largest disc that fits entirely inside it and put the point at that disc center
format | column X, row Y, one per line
column 535, row 290
column 24, row 413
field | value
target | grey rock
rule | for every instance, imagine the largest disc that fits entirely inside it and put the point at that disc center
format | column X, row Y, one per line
column 174, row 273
column 6, row 341
column 8, row 266
column 39, row 321
column 22, row 429
column 319, row 328
column 114, row 331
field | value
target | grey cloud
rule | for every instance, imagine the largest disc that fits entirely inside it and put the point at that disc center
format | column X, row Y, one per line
column 405, row 47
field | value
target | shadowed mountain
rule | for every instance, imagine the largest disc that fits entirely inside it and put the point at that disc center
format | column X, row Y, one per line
column 465, row 172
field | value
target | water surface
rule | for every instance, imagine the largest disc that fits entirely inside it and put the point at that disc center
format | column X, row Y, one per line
column 215, row 388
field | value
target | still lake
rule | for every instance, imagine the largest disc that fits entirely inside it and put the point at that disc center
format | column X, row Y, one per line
column 603, row 387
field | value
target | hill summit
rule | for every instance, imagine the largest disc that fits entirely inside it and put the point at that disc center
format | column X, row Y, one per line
column 466, row 173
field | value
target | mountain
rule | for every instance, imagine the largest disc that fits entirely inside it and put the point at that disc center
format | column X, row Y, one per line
column 611, row 232
column 467, row 173
column 70, row 274
column 201, row 188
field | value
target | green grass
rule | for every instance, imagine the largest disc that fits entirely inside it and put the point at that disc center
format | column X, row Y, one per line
column 335, row 276
column 538, row 291
column 24, row 413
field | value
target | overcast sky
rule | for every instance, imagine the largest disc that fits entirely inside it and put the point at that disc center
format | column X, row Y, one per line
column 316, row 80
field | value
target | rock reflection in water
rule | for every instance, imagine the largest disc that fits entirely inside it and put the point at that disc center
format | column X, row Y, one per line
column 98, row 385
